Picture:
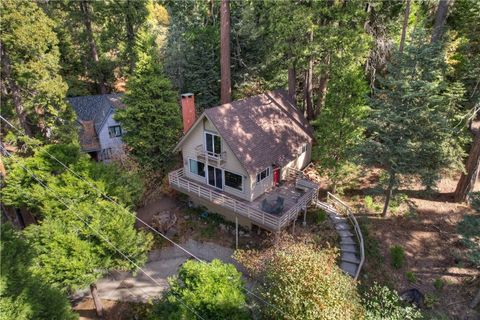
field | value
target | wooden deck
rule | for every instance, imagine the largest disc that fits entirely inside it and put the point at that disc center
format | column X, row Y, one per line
column 297, row 191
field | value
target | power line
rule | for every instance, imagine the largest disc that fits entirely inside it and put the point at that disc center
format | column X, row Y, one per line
column 136, row 217
column 96, row 231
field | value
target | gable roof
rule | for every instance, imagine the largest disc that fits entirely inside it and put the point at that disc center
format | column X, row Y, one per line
column 261, row 130
column 96, row 108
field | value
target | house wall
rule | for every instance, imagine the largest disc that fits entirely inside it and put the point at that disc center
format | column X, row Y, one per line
column 195, row 138
column 115, row 143
column 299, row 163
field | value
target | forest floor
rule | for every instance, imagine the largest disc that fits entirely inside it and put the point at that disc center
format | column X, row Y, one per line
column 425, row 226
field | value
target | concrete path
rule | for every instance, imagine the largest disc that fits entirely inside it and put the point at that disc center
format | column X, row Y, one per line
column 161, row 264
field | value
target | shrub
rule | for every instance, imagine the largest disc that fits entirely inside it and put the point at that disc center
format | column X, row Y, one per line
column 303, row 281
column 438, row 284
column 213, row 290
column 320, row 217
column 469, row 230
column 398, row 256
column 383, row 303
column 411, row 277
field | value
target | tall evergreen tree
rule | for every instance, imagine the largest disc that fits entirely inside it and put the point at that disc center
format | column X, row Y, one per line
column 152, row 117
column 411, row 127
column 23, row 295
column 32, row 89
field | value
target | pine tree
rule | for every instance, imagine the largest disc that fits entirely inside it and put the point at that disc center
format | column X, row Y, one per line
column 32, row 89
column 23, row 295
column 152, row 115
column 411, row 127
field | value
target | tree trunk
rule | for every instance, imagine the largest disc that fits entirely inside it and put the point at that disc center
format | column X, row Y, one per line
column 405, row 24
column 309, row 86
column 389, row 193
column 472, row 167
column 440, row 18
column 15, row 91
column 292, row 82
column 322, row 92
column 225, row 79
column 96, row 300
column 87, row 21
column 130, row 36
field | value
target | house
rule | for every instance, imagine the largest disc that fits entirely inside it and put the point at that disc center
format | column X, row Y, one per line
column 244, row 160
column 100, row 135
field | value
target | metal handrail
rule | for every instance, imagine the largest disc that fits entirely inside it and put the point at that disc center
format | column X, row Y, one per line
column 356, row 227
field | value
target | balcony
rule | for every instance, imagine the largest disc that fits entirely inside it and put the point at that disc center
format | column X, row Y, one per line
column 296, row 200
column 217, row 160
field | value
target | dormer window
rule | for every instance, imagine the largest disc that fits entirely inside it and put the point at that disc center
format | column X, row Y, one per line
column 213, row 144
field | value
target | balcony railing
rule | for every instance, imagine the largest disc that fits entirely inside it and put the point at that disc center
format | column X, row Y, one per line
column 243, row 208
column 209, row 157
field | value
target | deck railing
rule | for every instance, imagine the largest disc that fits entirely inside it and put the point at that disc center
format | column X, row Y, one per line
column 269, row 221
column 346, row 211
column 217, row 159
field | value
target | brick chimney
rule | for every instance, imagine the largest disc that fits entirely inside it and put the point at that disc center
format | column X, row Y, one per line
column 188, row 111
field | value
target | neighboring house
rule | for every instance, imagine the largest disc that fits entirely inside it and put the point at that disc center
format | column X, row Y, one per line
column 100, row 135
column 243, row 160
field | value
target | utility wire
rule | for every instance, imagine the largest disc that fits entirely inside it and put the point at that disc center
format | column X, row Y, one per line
column 136, row 217
column 96, row 231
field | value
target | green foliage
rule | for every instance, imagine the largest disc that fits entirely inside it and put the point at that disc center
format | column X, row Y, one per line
column 397, row 255
column 469, row 229
column 371, row 204
column 320, row 216
column 213, row 290
column 23, row 295
column 383, row 303
column 152, row 118
column 438, row 284
column 303, row 281
column 413, row 117
column 69, row 254
column 31, row 48
column 411, row 277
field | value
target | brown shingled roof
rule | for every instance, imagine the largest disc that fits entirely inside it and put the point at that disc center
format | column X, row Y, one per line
column 88, row 137
column 262, row 130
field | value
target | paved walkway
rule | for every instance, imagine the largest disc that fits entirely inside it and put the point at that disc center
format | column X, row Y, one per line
column 161, row 264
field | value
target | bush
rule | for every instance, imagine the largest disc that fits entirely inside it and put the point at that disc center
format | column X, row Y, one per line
column 383, row 303
column 213, row 290
column 438, row 284
column 411, row 277
column 469, row 230
column 398, row 256
column 320, row 217
column 370, row 204
column 303, row 281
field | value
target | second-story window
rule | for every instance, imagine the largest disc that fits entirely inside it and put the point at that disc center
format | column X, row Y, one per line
column 263, row 175
column 213, row 144
column 114, row 131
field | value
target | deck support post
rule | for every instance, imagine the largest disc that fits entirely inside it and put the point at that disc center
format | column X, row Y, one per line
column 293, row 226
column 305, row 216
column 236, row 231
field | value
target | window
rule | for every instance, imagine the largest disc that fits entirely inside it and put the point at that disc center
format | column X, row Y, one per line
column 197, row 167
column 115, row 131
column 262, row 175
column 213, row 144
column 303, row 149
column 233, row 180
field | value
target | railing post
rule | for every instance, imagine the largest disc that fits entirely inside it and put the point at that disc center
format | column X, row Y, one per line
column 305, row 216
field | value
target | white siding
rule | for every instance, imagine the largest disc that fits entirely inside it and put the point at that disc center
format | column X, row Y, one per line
column 115, row 143
column 195, row 138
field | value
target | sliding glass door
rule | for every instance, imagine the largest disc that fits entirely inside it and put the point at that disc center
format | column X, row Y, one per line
column 215, row 177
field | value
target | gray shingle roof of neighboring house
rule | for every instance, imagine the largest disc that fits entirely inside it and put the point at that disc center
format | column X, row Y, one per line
column 92, row 113
column 262, row 130
column 96, row 108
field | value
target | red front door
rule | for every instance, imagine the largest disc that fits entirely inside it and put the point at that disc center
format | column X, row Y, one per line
column 276, row 176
